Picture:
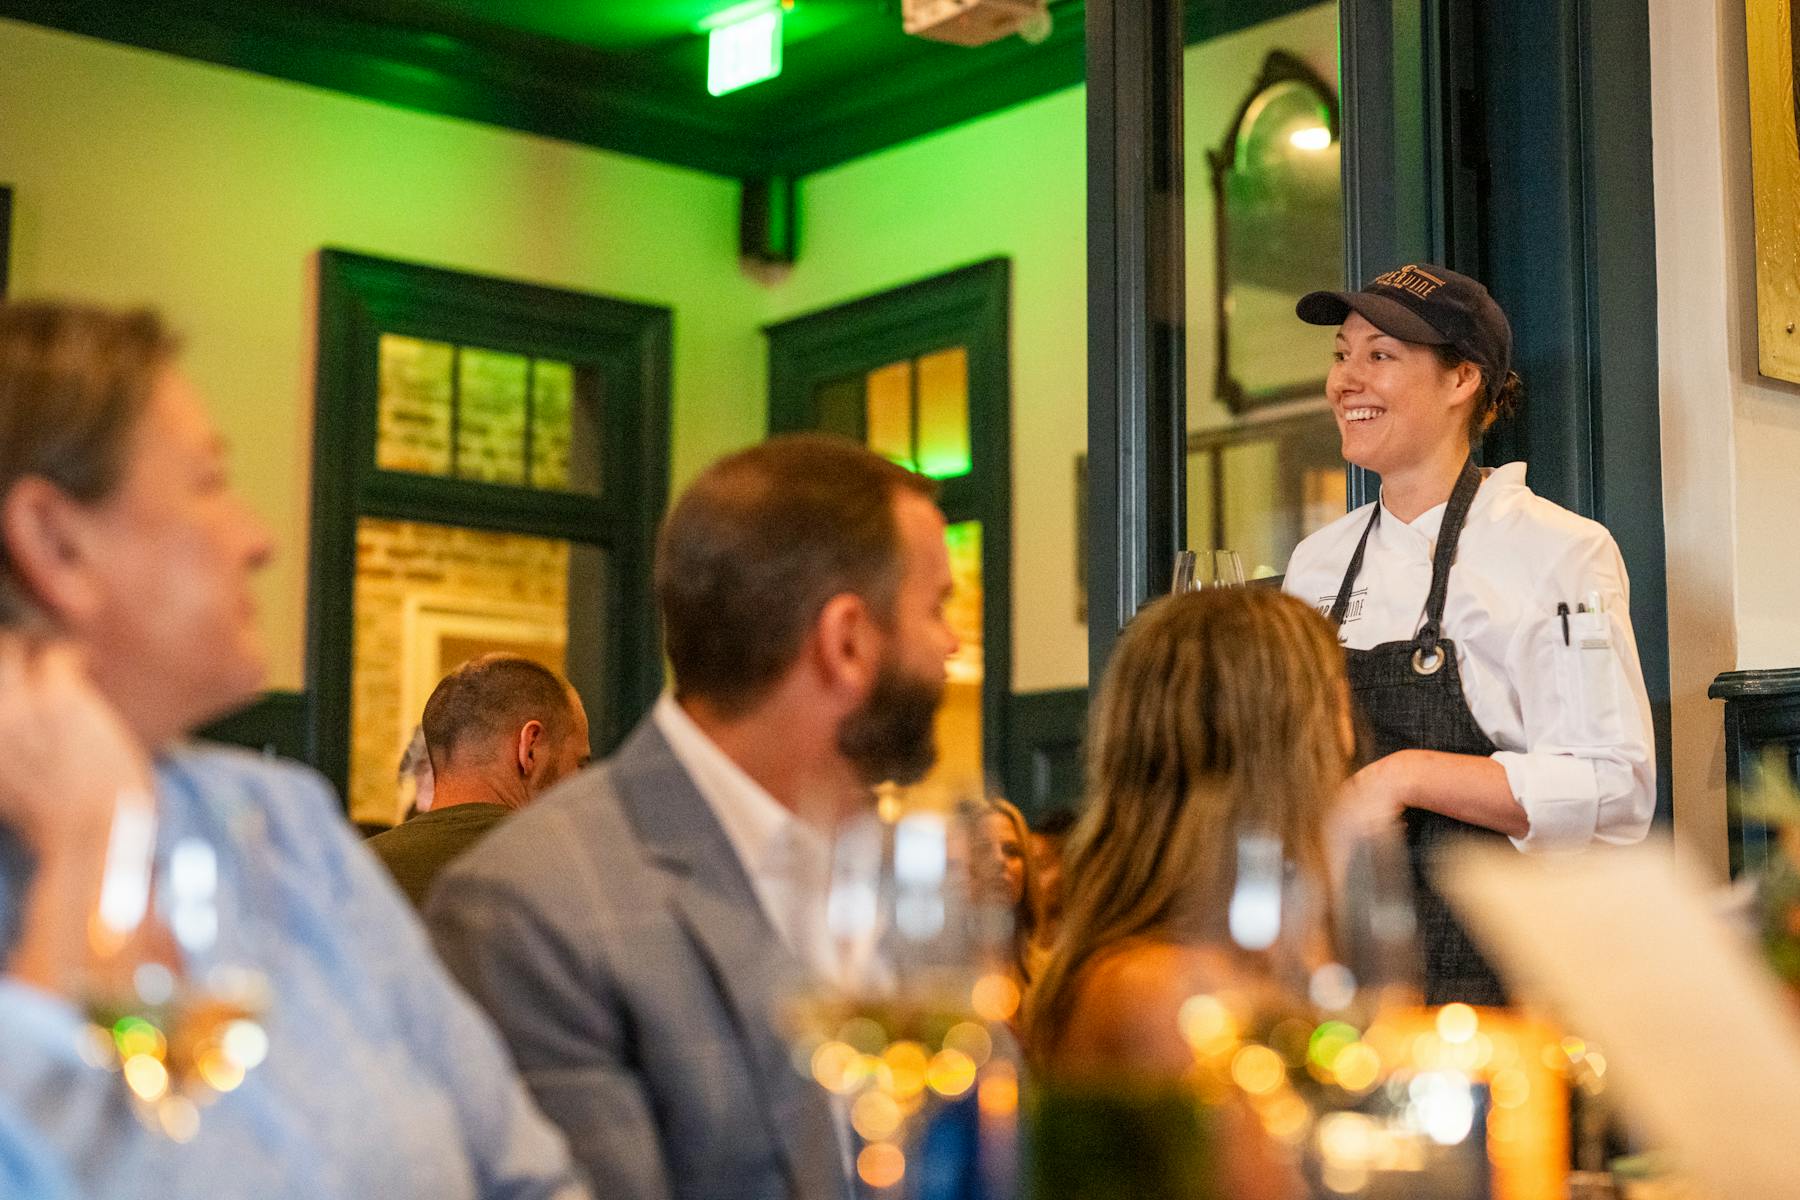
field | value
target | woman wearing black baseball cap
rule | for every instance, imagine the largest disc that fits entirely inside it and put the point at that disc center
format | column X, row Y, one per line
column 1488, row 630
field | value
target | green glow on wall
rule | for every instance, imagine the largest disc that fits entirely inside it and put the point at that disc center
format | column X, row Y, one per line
column 744, row 52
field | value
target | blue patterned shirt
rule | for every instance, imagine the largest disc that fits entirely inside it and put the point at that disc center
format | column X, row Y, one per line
column 382, row 1082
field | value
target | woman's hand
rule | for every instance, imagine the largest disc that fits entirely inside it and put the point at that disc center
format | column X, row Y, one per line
column 65, row 754
column 1373, row 799
column 1468, row 787
column 67, row 763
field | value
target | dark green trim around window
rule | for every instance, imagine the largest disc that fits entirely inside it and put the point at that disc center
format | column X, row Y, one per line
column 1137, row 340
column 627, row 344
column 1044, row 748
column 1554, row 168
column 1515, row 146
column 969, row 308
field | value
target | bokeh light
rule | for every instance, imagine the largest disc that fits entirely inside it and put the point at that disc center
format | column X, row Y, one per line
column 881, row 1165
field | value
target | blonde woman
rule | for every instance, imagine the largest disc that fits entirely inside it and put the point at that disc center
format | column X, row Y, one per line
column 1223, row 711
column 1009, row 839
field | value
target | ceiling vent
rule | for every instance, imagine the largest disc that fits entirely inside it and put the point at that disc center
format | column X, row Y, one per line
column 975, row 22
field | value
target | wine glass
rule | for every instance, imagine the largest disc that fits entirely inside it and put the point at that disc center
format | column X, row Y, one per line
column 910, row 1036
column 171, row 1000
column 1370, row 1093
column 1196, row 569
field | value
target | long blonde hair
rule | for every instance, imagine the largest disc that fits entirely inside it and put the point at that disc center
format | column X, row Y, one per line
column 1024, row 915
column 1221, row 710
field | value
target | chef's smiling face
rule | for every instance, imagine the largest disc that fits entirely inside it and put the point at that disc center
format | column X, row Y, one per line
column 1395, row 403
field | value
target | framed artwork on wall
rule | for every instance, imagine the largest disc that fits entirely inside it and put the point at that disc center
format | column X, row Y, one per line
column 1775, row 179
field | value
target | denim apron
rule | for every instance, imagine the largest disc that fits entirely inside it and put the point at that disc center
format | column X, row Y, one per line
column 1410, row 696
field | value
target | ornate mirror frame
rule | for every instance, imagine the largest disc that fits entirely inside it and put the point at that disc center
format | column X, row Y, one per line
column 1279, row 68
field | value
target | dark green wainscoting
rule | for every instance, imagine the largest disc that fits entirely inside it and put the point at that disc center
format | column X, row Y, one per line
column 1043, row 750
column 1762, row 732
column 276, row 724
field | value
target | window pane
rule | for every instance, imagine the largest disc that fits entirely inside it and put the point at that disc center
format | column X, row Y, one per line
column 890, row 412
column 959, row 720
column 413, row 411
column 1324, row 496
column 1259, row 512
column 1264, row 226
column 1202, row 532
column 839, row 405
column 552, row 399
column 565, row 427
column 430, row 597
column 490, row 416
column 944, row 413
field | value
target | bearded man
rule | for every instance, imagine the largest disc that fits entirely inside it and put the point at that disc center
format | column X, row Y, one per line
column 633, row 933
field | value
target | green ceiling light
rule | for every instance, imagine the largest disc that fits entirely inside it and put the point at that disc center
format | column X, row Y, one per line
column 743, row 46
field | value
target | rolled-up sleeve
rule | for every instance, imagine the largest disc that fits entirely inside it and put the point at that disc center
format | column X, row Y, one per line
column 1587, row 771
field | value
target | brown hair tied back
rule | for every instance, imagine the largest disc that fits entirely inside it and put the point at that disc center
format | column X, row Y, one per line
column 74, row 379
column 1495, row 402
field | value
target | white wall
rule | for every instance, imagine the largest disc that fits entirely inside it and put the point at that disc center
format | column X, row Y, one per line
column 1731, row 438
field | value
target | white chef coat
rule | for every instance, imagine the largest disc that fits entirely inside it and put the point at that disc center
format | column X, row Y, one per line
column 1570, row 720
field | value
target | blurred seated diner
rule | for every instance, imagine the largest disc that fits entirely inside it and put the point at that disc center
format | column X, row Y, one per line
column 209, row 985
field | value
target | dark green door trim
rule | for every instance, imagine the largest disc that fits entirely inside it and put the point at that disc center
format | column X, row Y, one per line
column 361, row 298
column 1512, row 142
column 1567, row 241
column 1137, row 408
column 969, row 307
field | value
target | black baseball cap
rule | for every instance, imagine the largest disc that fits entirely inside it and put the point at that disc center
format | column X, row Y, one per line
column 1424, row 303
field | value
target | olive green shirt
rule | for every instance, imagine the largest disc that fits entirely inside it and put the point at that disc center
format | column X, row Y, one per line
column 414, row 852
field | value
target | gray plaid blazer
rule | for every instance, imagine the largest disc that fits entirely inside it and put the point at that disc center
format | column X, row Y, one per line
column 611, row 933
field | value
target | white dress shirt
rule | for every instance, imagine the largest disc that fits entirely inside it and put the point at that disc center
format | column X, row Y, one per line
column 786, row 860
column 1570, row 719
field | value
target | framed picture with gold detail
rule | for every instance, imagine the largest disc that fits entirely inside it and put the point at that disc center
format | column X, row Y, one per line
column 1775, row 172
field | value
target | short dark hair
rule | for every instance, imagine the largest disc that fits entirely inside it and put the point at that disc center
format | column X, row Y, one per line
column 758, row 544
column 75, row 380
column 492, row 696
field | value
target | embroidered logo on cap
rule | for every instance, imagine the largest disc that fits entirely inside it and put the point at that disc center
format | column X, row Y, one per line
column 1410, row 279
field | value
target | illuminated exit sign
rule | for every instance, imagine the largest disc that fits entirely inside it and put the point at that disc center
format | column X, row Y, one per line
column 742, row 50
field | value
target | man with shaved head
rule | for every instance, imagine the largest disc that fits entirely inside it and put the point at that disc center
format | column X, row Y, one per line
column 499, row 730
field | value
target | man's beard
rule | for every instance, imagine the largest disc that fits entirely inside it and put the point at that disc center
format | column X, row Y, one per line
column 892, row 737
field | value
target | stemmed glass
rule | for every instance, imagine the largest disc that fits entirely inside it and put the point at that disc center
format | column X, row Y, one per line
column 1325, row 1041
column 171, row 1000
column 1196, row 569
column 910, row 1038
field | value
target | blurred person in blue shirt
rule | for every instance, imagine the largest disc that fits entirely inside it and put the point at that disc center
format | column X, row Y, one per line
column 127, row 620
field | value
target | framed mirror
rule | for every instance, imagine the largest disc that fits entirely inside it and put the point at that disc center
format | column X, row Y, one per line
column 1278, row 205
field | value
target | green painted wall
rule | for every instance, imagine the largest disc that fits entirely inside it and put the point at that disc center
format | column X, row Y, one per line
column 146, row 178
